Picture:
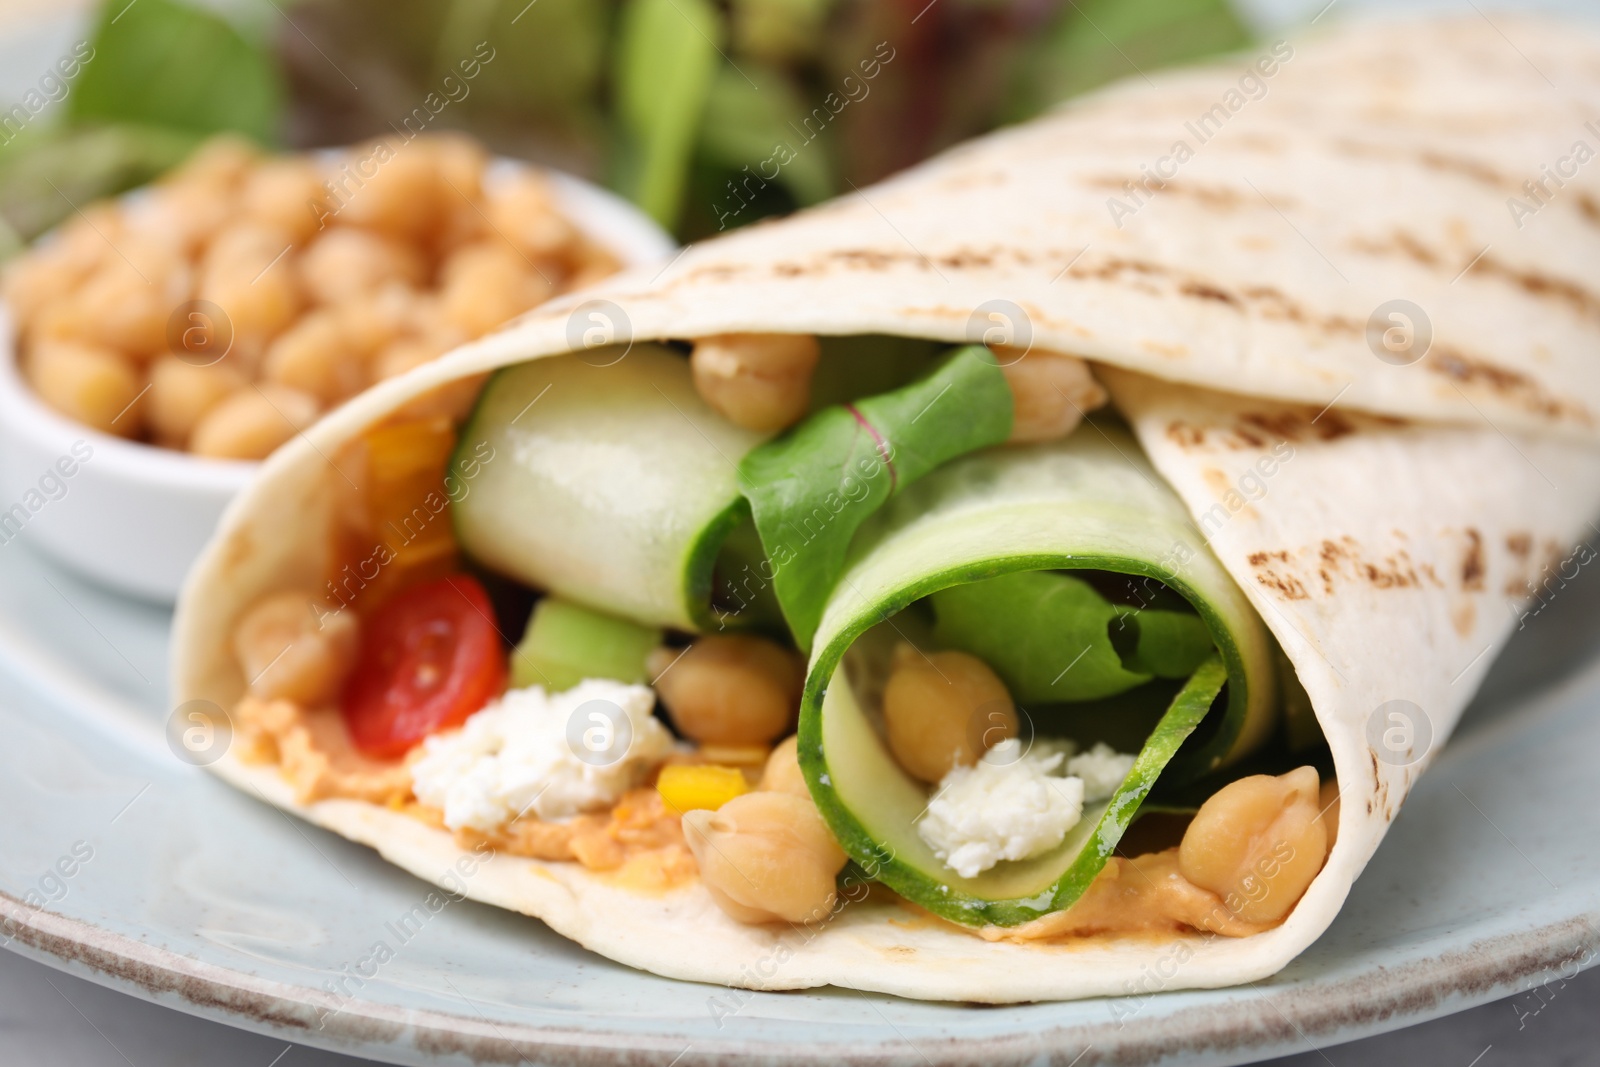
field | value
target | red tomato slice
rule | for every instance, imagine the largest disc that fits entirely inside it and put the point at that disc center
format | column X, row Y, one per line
column 429, row 658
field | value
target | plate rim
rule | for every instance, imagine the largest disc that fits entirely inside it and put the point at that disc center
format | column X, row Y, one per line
column 1372, row 1002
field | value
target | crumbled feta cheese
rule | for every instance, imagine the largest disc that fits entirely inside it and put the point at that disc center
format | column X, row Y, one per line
column 1102, row 769
column 546, row 754
column 1008, row 806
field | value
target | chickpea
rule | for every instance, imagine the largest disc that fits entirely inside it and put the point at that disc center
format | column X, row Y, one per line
column 249, row 274
column 766, row 857
column 729, row 689
column 60, row 319
column 758, row 381
column 292, row 648
column 344, row 264
column 1050, row 394
column 253, row 422
column 223, row 162
column 185, row 214
column 942, row 710
column 89, row 238
column 180, row 395
column 247, row 247
column 286, row 194
column 1257, row 843
column 524, row 210
column 487, row 283
column 460, row 163
column 315, row 356
column 782, row 774
column 400, row 199
column 126, row 302
column 374, row 319
column 44, row 275
column 410, row 352
column 91, row 384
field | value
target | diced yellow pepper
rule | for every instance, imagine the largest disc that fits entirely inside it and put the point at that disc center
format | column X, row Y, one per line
column 409, row 451
column 696, row 786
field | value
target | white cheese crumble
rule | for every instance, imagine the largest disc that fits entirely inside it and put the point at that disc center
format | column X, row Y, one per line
column 1008, row 806
column 543, row 754
column 1102, row 769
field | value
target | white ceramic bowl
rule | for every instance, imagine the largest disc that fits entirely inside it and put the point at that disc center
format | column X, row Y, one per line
column 133, row 516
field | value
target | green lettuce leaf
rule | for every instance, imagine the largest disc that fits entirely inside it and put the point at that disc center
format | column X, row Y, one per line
column 667, row 57
column 1046, row 634
column 811, row 489
column 1053, row 637
column 750, row 121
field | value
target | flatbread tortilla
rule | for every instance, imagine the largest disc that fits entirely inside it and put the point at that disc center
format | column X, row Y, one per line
column 1389, row 555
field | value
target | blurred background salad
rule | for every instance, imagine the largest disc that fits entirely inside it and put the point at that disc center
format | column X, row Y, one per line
column 709, row 114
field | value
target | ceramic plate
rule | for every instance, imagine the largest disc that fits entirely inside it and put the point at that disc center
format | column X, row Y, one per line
column 123, row 864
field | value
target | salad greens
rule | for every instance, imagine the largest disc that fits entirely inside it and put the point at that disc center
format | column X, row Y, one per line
column 810, row 490
column 667, row 58
column 709, row 114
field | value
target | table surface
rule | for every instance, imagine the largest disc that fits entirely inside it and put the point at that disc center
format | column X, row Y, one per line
column 47, row 1017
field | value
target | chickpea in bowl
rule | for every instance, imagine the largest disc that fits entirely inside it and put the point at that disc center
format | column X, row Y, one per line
column 191, row 327
column 222, row 309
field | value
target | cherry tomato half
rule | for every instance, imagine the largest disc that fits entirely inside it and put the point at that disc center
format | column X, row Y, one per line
column 429, row 658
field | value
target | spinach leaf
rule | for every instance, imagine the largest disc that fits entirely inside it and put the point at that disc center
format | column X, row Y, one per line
column 810, row 489
column 1053, row 637
column 1046, row 634
column 1167, row 644
column 163, row 63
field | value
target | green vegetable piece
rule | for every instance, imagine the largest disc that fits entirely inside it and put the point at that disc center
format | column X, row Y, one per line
column 1052, row 637
column 810, row 490
column 46, row 170
column 566, row 643
column 1167, row 644
column 1047, row 634
column 603, row 478
column 161, row 63
column 873, row 806
column 1096, row 41
column 666, row 60
column 750, row 119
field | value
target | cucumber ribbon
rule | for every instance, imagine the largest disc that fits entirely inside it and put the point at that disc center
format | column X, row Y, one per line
column 616, row 486
column 1034, row 514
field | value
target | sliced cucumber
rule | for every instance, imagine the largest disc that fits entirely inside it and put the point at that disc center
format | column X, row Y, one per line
column 566, row 643
column 613, row 486
column 866, row 780
column 1090, row 503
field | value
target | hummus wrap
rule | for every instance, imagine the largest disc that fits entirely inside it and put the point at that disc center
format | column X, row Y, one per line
column 1375, row 496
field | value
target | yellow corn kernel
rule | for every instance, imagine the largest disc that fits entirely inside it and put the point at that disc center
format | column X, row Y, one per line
column 741, row 756
column 696, row 786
